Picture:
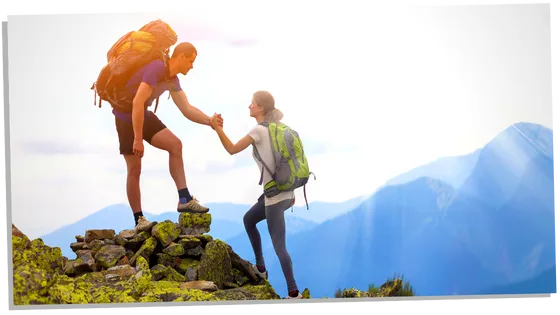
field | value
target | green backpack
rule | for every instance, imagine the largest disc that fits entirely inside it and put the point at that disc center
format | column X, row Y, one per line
column 291, row 166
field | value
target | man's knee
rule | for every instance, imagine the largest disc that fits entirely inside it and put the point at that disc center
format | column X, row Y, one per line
column 176, row 147
column 134, row 169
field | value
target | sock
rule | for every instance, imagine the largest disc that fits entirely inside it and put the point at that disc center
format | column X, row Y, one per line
column 294, row 293
column 184, row 195
column 261, row 268
column 136, row 216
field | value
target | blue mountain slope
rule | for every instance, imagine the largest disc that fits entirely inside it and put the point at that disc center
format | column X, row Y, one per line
column 504, row 160
column 119, row 217
column 453, row 170
column 542, row 284
column 445, row 241
column 318, row 211
column 242, row 246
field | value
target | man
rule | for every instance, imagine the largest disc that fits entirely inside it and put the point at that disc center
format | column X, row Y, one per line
column 136, row 124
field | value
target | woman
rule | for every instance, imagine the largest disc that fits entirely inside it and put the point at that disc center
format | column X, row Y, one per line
column 272, row 209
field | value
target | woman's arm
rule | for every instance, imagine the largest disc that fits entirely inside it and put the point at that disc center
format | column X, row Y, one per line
column 228, row 145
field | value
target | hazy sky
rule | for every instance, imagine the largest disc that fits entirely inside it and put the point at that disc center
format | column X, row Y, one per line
column 372, row 92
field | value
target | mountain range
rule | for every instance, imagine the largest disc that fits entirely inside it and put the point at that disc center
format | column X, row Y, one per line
column 476, row 223
column 490, row 229
column 227, row 221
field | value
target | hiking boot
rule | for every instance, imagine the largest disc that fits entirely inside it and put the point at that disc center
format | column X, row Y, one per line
column 192, row 206
column 299, row 296
column 263, row 275
column 143, row 225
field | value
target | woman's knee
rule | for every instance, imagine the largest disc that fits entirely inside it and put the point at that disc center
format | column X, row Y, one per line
column 247, row 220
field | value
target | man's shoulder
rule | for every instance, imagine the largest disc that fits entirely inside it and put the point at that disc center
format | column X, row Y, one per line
column 153, row 66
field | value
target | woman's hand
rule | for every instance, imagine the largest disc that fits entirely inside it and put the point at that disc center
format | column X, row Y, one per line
column 216, row 121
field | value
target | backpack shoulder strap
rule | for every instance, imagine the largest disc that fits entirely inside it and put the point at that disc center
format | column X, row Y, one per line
column 258, row 157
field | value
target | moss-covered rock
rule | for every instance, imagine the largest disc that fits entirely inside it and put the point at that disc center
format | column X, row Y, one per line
column 159, row 272
column 43, row 276
column 145, row 250
column 168, row 260
column 215, row 264
column 189, row 242
column 174, row 249
column 185, row 264
column 98, row 235
column 173, row 275
column 166, row 232
column 137, row 240
column 36, row 268
column 109, row 255
column 390, row 288
column 195, row 223
column 96, row 245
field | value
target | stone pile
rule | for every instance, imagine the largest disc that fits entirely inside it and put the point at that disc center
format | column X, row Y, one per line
column 181, row 252
column 167, row 262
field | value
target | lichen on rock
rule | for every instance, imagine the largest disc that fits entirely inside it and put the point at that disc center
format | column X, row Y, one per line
column 156, row 265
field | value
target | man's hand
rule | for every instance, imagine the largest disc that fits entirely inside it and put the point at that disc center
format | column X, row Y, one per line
column 216, row 121
column 138, row 148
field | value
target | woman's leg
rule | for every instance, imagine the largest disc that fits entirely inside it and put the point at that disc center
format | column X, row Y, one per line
column 255, row 215
column 277, row 229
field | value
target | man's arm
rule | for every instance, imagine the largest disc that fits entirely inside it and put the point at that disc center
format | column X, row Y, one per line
column 189, row 111
column 144, row 91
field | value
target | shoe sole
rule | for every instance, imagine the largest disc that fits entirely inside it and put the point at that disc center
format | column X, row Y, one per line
column 192, row 211
column 149, row 227
column 262, row 275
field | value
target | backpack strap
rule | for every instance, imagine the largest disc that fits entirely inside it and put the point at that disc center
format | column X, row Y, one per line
column 166, row 78
column 304, row 192
column 258, row 156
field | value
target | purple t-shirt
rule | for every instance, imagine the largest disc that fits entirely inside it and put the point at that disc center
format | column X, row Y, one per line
column 153, row 74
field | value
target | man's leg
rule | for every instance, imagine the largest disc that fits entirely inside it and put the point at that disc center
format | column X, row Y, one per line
column 134, row 169
column 159, row 136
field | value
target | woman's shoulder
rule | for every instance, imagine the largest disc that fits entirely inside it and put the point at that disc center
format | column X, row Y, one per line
column 259, row 128
column 257, row 132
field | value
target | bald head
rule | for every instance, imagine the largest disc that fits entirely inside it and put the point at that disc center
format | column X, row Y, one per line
column 184, row 48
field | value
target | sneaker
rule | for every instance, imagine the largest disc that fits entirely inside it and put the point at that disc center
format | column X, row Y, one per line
column 143, row 225
column 299, row 296
column 192, row 206
column 263, row 275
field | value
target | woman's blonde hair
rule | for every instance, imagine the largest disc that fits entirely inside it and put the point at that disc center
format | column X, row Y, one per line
column 265, row 100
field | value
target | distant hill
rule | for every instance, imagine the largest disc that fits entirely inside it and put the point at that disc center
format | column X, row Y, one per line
column 294, row 225
column 119, row 217
column 496, row 229
column 227, row 223
column 318, row 211
column 453, row 170
column 542, row 284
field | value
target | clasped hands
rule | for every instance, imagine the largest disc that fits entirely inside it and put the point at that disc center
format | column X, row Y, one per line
column 216, row 121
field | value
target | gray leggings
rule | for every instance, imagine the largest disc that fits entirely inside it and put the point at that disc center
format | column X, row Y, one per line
column 274, row 216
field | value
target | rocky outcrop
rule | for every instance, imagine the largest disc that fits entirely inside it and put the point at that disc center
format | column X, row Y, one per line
column 162, row 264
column 170, row 262
column 389, row 288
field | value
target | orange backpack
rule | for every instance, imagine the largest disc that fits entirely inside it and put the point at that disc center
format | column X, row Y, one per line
column 131, row 52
